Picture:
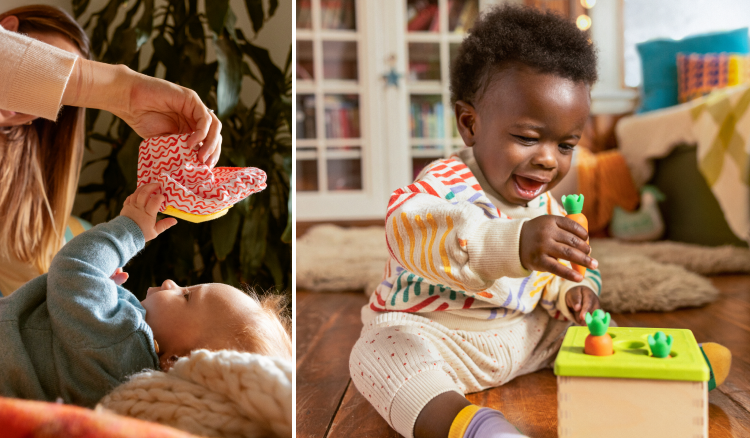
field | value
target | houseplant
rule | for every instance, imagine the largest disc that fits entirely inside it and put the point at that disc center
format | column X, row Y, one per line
column 252, row 243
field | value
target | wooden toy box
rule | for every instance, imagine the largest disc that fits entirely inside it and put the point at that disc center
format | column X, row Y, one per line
column 631, row 393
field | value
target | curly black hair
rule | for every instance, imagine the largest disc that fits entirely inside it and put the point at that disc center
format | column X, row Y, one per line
column 544, row 41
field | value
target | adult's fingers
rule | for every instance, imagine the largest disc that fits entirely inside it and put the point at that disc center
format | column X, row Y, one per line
column 572, row 226
column 200, row 114
column 553, row 266
column 209, row 152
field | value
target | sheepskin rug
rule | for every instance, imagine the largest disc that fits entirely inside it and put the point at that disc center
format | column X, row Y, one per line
column 658, row 276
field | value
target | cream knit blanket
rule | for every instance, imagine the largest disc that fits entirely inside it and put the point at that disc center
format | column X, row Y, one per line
column 213, row 393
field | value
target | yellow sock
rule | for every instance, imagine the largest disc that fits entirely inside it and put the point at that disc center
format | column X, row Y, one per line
column 719, row 360
column 462, row 420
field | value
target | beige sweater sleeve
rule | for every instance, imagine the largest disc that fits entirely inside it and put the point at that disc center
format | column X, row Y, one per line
column 33, row 75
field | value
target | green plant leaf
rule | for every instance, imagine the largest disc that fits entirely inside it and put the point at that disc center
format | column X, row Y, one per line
column 145, row 24
column 216, row 12
column 230, row 75
column 253, row 245
column 127, row 158
column 91, row 188
column 79, row 7
column 165, row 53
column 255, row 11
column 271, row 73
column 224, row 233
column 271, row 261
column 286, row 236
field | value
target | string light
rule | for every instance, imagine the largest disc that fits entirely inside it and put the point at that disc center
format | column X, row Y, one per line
column 588, row 4
column 583, row 22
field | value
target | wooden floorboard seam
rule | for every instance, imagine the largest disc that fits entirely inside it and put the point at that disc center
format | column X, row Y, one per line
column 341, row 400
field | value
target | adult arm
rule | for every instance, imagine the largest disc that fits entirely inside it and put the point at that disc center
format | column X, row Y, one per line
column 37, row 78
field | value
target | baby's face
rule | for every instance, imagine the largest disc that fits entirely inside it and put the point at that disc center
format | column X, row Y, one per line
column 523, row 131
column 185, row 318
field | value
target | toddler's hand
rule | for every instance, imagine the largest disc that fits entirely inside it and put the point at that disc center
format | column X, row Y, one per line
column 142, row 206
column 119, row 277
column 547, row 238
column 580, row 300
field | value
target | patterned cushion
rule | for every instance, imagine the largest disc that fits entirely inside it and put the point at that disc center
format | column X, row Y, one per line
column 699, row 74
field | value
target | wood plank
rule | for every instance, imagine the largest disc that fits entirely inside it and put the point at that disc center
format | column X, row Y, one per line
column 357, row 418
column 529, row 402
column 334, row 324
column 725, row 418
column 303, row 226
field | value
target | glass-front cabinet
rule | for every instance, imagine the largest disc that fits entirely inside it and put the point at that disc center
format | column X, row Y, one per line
column 372, row 99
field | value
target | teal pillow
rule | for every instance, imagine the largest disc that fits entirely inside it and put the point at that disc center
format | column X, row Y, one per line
column 659, row 62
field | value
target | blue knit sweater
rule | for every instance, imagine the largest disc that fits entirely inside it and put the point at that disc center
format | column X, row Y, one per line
column 73, row 333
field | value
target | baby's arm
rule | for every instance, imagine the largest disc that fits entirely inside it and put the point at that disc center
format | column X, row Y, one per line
column 455, row 244
column 82, row 300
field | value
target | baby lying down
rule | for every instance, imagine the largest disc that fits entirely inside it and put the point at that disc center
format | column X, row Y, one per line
column 75, row 334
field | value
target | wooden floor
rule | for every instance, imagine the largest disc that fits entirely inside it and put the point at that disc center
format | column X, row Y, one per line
column 328, row 404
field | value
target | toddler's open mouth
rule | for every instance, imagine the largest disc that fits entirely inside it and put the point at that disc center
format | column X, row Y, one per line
column 528, row 188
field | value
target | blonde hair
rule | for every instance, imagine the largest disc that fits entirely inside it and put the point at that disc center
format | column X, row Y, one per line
column 269, row 333
column 40, row 163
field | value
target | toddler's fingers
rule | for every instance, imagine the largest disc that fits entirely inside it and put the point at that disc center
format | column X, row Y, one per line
column 143, row 194
column 572, row 226
column 573, row 255
column 154, row 204
column 164, row 224
column 573, row 299
column 553, row 266
column 586, row 307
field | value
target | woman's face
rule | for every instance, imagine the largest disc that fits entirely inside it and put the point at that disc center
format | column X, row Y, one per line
column 12, row 118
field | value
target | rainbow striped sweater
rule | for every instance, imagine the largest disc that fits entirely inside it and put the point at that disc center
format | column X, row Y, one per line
column 455, row 254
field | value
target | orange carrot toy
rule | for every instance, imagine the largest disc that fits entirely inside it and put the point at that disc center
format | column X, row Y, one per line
column 573, row 205
column 599, row 342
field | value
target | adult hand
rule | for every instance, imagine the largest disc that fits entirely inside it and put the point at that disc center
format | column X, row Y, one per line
column 545, row 239
column 580, row 300
column 151, row 106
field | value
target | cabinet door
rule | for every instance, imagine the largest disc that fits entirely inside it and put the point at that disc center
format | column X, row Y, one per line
column 339, row 166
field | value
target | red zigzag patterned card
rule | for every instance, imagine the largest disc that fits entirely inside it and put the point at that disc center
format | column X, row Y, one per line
column 190, row 186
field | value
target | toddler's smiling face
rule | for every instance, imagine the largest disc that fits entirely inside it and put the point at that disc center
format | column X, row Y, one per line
column 524, row 129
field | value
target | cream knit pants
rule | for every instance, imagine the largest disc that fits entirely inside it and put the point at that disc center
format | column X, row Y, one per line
column 402, row 360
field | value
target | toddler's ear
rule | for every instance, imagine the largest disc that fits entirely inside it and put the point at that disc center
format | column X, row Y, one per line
column 10, row 23
column 466, row 117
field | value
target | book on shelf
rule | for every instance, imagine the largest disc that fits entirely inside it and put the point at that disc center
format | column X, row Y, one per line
column 426, row 18
column 337, row 14
column 304, row 14
column 427, row 120
column 466, row 17
column 341, row 118
column 306, row 117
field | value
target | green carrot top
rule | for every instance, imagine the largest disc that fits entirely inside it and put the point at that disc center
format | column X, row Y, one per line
column 598, row 323
column 572, row 203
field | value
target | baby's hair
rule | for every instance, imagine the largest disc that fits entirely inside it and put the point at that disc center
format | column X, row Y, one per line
column 543, row 41
column 272, row 338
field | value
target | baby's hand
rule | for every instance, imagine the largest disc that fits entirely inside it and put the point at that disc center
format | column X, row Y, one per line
column 580, row 300
column 547, row 238
column 119, row 277
column 142, row 206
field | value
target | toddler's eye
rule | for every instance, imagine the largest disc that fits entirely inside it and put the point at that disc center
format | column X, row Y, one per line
column 566, row 147
column 525, row 139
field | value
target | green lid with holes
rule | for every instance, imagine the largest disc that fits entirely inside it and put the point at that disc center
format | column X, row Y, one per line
column 633, row 358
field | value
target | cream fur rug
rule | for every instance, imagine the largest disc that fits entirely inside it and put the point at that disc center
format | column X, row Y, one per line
column 645, row 276
column 213, row 394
